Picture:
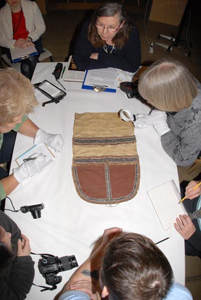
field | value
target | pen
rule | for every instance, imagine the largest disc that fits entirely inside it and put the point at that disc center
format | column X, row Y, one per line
column 29, row 158
column 162, row 240
column 61, row 84
column 193, row 189
column 63, row 72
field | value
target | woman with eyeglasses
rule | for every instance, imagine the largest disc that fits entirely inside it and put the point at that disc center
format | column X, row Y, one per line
column 108, row 40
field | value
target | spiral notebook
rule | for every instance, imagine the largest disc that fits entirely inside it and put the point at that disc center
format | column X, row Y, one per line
column 165, row 200
column 37, row 149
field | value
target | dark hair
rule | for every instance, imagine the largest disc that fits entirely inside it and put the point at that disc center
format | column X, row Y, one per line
column 109, row 10
column 5, row 255
column 133, row 267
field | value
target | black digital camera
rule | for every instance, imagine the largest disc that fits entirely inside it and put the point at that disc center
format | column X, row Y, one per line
column 50, row 265
column 35, row 210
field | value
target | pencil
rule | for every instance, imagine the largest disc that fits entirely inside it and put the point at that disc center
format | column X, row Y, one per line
column 29, row 158
column 193, row 190
column 63, row 72
column 162, row 240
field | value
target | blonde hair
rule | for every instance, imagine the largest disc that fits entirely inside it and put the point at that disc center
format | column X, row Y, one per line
column 168, row 85
column 16, row 95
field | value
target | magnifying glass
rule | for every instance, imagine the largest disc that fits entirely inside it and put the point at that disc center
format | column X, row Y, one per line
column 126, row 115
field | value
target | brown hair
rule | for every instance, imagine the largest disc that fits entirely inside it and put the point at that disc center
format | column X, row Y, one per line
column 17, row 95
column 135, row 268
column 109, row 10
column 168, row 85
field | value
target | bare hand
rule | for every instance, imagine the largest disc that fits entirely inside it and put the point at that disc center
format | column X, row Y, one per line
column 87, row 287
column 185, row 226
column 94, row 56
column 109, row 234
column 23, row 43
column 23, row 246
column 190, row 192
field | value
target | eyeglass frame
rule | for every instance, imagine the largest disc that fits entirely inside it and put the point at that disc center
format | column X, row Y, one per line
column 113, row 29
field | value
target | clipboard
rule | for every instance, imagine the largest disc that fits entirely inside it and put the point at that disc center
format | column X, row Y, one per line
column 39, row 148
column 105, row 88
column 18, row 54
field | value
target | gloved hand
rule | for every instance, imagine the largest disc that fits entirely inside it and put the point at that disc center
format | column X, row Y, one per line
column 142, row 121
column 31, row 167
column 53, row 140
column 158, row 119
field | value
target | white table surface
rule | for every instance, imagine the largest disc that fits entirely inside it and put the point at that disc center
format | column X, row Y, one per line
column 69, row 225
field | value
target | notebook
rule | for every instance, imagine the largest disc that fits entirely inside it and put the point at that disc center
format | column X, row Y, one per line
column 40, row 148
column 164, row 199
column 72, row 73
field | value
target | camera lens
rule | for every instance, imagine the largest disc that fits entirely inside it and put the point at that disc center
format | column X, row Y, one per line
column 68, row 262
column 36, row 214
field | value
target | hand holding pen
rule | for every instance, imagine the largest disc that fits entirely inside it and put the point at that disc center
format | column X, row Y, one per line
column 193, row 190
column 33, row 165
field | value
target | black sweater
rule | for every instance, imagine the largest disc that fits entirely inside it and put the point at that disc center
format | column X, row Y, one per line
column 128, row 58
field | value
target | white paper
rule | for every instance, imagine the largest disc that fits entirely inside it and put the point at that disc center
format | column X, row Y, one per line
column 103, row 77
column 165, row 200
column 19, row 53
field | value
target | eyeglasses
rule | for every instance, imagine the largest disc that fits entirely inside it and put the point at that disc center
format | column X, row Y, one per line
column 110, row 29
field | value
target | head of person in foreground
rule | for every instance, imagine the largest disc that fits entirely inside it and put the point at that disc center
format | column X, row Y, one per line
column 133, row 267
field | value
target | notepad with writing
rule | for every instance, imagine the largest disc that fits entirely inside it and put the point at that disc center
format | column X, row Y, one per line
column 37, row 149
column 103, row 78
column 165, row 200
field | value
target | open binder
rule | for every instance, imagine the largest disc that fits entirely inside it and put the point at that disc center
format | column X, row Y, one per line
column 105, row 78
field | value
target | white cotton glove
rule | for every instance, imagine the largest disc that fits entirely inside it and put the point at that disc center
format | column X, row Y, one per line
column 31, row 167
column 52, row 140
column 142, row 121
column 158, row 119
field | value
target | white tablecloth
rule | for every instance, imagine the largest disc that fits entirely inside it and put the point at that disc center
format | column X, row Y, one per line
column 69, row 225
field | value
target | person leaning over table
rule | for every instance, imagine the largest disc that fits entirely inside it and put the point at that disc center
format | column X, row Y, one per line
column 16, row 264
column 108, row 40
column 16, row 100
column 126, row 266
column 189, row 226
column 22, row 25
column 176, row 95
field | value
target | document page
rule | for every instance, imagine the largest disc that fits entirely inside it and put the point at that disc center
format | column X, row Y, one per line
column 103, row 77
